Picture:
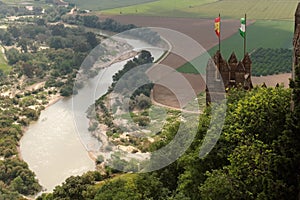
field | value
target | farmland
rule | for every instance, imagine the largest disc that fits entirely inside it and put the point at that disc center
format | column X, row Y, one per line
column 260, row 34
column 256, row 9
column 169, row 8
column 273, row 22
column 106, row 4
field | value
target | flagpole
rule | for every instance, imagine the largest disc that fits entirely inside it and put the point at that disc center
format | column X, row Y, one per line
column 245, row 35
column 220, row 34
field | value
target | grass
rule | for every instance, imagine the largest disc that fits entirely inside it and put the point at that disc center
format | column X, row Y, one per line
column 256, row 9
column 106, row 4
column 160, row 7
column 3, row 64
column 264, row 33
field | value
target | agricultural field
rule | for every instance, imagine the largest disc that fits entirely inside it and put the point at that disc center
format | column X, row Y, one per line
column 256, row 9
column 106, row 4
column 171, row 8
column 260, row 34
column 266, row 61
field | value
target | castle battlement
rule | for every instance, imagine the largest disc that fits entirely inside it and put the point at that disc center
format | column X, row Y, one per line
column 222, row 75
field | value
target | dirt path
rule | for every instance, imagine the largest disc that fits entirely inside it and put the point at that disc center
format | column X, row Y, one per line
column 3, row 52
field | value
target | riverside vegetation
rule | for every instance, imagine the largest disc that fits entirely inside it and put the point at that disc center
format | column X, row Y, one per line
column 42, row 55
column 256, row 157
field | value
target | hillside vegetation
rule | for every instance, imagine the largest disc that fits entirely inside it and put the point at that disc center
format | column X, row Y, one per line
column 256, row 157
column 45, row 54
column 4, row 68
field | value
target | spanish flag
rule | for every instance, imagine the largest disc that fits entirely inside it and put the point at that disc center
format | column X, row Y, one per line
column 217, row 26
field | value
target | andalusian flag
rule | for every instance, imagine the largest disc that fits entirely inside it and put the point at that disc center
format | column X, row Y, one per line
column 243, row 27
column 217, row 26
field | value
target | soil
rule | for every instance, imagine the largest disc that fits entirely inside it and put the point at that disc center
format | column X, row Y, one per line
column 200, row 31
column 272, row 80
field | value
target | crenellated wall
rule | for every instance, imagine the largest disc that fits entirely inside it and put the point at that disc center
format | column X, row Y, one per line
column 222, row 74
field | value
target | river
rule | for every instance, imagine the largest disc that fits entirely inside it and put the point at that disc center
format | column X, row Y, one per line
column 52, row 146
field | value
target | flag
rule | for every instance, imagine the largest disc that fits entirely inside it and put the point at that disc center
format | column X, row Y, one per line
column 243, row 27
column 217, row 26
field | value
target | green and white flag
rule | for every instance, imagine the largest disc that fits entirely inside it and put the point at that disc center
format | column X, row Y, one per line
column 243, row 27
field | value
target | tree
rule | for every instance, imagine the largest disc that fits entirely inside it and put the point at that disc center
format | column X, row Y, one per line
column 23, row 44
column 58, row 30
column 15, row 31
column 250, row 175
column 145, row 57
column 143, row 101
column 28, row 70
column 76, row 187
column 56, row 42
column 40, row 22
column 91, row 39
column 90, row 20
column 6, row 38
column 18, row 185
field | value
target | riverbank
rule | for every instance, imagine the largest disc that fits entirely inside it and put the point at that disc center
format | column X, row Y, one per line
column 49, row 145
column 110, row 145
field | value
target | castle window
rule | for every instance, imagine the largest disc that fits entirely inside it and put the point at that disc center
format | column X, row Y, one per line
column 218, row 75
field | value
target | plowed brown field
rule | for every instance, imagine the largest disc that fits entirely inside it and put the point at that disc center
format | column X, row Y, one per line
column 201, row 31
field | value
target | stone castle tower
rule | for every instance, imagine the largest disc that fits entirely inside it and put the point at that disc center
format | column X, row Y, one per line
column 222, row 75
column 296, row 41
column 296, row 55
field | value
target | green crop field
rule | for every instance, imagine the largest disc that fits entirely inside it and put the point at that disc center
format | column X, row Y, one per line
column 265, row 33
column 256, row 9
column 106, row 4
column 84, row 4
column 173, row 8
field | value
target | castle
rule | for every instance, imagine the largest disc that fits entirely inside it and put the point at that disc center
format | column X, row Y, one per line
column 296, row 41
column 296, row 53
column 222, row 75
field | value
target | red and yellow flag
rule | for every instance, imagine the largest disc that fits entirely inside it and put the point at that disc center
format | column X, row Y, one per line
column 217, row 26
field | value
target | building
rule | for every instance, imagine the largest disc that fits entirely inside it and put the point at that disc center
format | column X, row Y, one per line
column 296, row 41
column 222, row 75
column 296, row 58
